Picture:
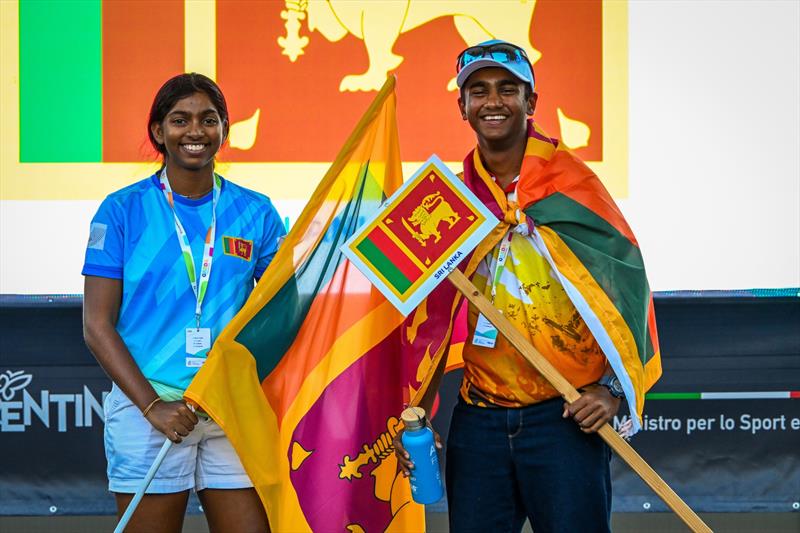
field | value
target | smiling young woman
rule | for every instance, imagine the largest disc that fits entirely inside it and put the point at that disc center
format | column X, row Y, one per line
column 152, row 310
column 188, row 132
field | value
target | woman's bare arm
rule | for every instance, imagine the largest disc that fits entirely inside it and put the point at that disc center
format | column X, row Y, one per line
column 101, row 304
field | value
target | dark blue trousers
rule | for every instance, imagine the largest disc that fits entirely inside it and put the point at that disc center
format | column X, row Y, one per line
column 504, row 465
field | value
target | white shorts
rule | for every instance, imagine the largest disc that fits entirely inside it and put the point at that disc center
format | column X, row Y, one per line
column 204, row 459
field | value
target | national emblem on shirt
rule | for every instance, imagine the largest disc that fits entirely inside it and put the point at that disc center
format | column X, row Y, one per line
column 237, row 247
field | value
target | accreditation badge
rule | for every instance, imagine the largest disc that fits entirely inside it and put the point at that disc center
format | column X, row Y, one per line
column 485, row 333
column 198, row 341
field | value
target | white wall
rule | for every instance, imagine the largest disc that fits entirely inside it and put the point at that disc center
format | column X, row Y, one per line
column 715, row 142
column 714, row 157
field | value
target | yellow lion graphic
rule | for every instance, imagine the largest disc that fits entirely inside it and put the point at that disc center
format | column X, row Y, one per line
column 428, row 215
column 379, row 24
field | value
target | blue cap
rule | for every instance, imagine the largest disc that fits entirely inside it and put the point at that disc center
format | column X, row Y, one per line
column 494, row 53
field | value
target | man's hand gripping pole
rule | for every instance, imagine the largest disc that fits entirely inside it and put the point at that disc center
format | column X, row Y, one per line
column 570, row 394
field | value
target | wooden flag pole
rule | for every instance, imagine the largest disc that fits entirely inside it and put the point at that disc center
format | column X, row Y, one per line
column 570, row 394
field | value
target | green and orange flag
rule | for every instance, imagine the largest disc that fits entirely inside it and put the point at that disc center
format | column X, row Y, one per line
column 578, row 228
column 309, row 377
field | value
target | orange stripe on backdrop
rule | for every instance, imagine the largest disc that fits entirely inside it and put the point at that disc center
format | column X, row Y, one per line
column 142, row 48
column 570, row 71
column 313, row 343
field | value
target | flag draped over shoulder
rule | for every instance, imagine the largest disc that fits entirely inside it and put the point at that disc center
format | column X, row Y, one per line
column 309, row 378
column 592, row 250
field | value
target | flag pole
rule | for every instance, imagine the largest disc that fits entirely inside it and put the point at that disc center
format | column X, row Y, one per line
column 126, row 517
column 570, row 394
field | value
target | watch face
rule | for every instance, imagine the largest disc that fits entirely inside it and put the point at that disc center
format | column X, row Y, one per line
column 614, row 386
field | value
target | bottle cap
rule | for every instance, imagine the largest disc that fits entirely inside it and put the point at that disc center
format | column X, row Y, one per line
column 413, row 418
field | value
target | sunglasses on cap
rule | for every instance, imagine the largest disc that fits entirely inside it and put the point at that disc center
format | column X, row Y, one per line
column 494, row 53
column 505, row 53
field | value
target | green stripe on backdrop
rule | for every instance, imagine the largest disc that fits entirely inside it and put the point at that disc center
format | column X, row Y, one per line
column 60, row 79
column 618, row 268
column 392, row 274
column 673, row 396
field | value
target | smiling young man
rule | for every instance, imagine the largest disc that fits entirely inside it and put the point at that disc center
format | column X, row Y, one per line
column 496, row 104
column 566, row 271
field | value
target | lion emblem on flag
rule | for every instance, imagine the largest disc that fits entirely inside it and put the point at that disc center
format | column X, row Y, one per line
column 426, row 217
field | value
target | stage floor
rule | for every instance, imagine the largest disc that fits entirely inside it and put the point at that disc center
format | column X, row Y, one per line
column 437, row 523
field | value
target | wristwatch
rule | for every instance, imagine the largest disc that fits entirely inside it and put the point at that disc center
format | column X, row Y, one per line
column 613, row 385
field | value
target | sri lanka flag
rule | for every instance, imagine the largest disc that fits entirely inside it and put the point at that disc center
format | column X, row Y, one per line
column 581, row 232
column 308, row 379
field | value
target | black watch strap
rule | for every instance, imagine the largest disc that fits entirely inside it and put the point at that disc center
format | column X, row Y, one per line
column 613, row 385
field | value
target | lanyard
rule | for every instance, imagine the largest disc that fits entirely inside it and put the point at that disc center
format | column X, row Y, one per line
column 199, row 289
column 502, row 255
column 505, row 245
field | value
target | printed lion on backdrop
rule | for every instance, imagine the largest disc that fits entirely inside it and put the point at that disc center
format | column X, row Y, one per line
column 379, row 24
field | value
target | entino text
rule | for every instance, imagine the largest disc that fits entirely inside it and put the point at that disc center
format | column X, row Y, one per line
column 63, row 411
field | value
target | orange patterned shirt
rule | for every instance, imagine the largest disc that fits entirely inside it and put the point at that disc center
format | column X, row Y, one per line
column 531, row 297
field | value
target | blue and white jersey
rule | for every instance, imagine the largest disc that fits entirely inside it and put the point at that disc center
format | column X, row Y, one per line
column 133, row 238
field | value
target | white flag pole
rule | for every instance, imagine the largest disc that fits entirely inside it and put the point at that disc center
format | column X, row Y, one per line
column 143, row 487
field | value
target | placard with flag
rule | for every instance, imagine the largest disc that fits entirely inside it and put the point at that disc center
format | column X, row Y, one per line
column 422, row 233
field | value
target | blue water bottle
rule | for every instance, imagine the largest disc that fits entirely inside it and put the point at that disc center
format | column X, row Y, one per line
column 417, row 439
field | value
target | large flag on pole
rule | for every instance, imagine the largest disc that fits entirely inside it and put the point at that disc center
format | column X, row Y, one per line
column 309, row 377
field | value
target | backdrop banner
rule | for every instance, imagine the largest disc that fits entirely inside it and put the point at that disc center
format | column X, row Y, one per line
column 721, row 426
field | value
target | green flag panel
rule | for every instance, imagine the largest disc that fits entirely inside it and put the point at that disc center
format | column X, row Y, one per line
column 60, row 79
